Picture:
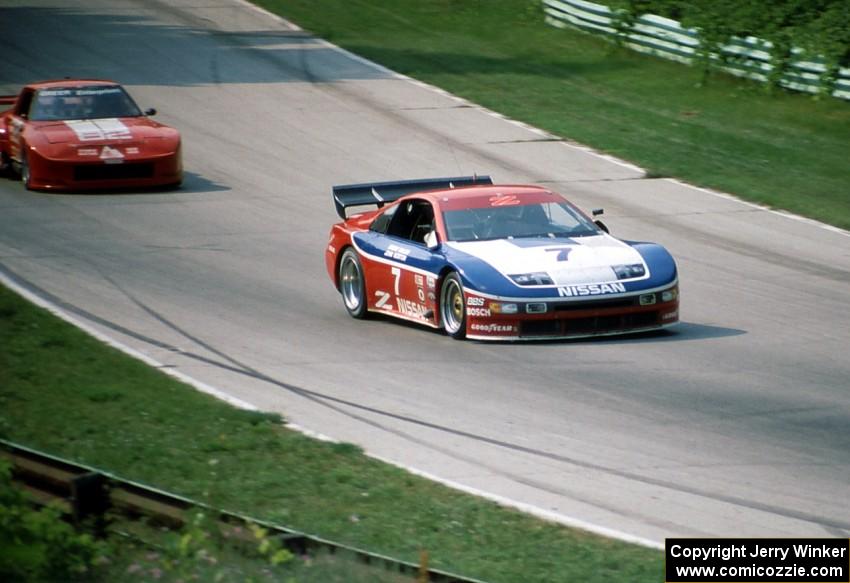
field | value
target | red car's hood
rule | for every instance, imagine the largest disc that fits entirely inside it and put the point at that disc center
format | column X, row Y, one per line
column 101, row 131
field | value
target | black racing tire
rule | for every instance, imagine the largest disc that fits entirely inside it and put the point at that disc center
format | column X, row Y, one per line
column 352, row 284
column 26, row 175
column 453, row 307
column 5, row 164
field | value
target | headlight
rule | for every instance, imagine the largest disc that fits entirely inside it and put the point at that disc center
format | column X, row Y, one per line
column 537, row 278
column 500, row 308
column 669, row 295
column 629, row 271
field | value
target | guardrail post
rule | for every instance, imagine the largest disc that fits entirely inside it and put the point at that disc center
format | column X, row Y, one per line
column 89, row 497
column 423, row 567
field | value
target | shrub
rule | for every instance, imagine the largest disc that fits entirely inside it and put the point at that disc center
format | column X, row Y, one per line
column 36, row 544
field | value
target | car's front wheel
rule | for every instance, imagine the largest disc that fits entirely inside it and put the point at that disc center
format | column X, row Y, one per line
column 453, row 306
column 5, row 164
column 26, row 175
column 352, row 284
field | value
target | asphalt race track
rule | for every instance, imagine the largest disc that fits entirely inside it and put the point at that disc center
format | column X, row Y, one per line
column 737, row 423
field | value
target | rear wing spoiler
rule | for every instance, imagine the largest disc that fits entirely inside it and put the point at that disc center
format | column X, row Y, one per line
column 380, row 193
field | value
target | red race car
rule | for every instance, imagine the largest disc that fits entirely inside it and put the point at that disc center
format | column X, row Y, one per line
column 85, row 134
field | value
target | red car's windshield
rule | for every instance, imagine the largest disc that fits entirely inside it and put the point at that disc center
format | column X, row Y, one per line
column 93, row 102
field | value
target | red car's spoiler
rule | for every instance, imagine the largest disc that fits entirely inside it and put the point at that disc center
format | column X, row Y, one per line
column 379, row 193
column 8, row 99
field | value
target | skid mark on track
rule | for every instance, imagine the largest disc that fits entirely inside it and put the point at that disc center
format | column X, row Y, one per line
column 344, row 407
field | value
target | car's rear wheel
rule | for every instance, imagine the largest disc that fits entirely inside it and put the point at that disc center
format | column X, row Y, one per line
column 352, row 284
column 453, row 306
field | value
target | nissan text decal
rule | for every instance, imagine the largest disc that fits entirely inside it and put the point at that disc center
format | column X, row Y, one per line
column 568, row 291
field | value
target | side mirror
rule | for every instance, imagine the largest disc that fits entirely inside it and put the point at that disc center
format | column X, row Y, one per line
column 150, row 111
column 432, row 241
column 600, row 224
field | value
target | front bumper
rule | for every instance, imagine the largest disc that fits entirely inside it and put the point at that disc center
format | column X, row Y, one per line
column 75, row 175
column 628, row 314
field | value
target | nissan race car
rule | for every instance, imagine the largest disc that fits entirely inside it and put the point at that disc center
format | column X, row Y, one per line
column 85, row 134
column 494, row 262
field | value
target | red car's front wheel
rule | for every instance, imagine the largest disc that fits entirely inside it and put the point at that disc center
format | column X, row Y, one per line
column 5, row 163
column 26, row 174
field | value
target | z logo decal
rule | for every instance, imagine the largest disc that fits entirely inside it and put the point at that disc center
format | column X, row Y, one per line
column 383, row 298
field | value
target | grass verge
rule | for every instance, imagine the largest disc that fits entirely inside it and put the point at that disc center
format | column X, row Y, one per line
column 38, row 546
column 63, row 392
column 783, row 150
column 143, row 553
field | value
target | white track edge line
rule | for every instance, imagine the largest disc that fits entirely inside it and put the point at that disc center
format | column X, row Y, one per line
column 536, row 511
column 786, row 214
column 58, row 312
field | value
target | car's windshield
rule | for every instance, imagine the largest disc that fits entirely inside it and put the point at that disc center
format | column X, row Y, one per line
column 546, row 219
column 93, row 102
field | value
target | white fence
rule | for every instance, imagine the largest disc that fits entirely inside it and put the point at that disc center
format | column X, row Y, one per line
column 746, row 57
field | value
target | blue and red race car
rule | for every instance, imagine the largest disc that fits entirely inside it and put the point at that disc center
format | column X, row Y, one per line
column 494, row 262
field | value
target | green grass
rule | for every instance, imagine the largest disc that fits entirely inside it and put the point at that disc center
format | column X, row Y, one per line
column 64, row 393
column 783, row 150
column 144, row 552
column 37, row 545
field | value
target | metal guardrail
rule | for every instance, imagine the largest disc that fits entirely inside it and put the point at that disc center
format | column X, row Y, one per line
column 83, row 493
column 663, row 37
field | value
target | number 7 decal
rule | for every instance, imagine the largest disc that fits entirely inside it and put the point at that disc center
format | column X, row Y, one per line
column 563, row 252
column 384, row 297
column 397, row 273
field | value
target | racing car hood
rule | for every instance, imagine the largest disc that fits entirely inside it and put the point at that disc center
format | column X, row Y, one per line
column 579, row 260
column 101, row 131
